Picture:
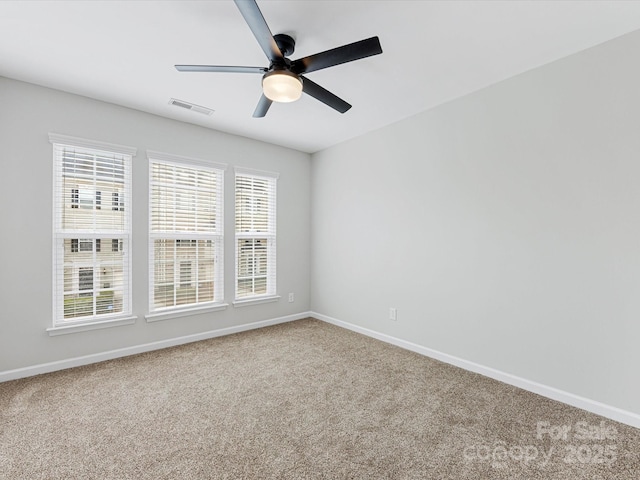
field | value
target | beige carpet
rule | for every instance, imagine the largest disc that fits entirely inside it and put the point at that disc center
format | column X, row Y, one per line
column 296, row 401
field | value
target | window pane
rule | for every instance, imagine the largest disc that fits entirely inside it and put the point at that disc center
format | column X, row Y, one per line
column 260, row 285
column 252, row 266
column 104, row 280
column 86, row 178
column 206, row 265
column 245, row 287
column 183, row 199
column 76, row 305
column 163, row 280
column 185, row 274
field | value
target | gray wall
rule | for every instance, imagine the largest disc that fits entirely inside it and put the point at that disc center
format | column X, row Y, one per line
column 27, row 115
column 504, row 226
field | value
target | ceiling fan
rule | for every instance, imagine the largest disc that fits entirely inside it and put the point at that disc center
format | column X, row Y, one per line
column 282, row 80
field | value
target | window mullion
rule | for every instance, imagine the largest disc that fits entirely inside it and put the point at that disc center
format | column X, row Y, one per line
column 197, row 269
column 176, row 273
column 253, row 264
column 95, row 271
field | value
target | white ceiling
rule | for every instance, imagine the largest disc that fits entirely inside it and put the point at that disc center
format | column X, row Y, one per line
column 434, row 51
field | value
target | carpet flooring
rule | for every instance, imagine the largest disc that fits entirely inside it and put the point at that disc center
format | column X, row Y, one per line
column 302, row 400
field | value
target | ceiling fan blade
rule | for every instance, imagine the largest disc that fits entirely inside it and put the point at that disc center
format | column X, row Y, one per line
column 336, row 56
column 263, row 106
column 324, row 95
column 219, row 68
column 253, row 16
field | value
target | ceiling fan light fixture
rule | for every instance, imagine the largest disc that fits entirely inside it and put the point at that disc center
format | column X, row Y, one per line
column 282, row 86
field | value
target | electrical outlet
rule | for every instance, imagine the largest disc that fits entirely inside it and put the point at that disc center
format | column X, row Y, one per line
column 393, row 314
column 291, row 297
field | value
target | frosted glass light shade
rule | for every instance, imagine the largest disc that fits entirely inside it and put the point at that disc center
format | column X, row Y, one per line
column 282, row 86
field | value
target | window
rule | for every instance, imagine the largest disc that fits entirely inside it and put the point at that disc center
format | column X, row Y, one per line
column 86, row 245
column 86, row 198
column 186, row 233
column 91, row 284
column 255, row 196
column 116, row 202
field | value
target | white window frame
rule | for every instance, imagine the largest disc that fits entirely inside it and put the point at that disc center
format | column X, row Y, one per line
column 60, row 234
column 270, row 234
column 217, row 236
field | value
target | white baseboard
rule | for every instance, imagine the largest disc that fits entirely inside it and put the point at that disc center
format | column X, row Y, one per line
column 147, row 347
column 608, row 411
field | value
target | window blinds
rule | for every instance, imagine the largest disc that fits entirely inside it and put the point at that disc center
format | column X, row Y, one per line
column 186, row 234
column 255, row 222
column 91, row 279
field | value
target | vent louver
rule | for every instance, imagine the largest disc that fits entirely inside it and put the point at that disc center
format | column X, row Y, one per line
column 191, row 106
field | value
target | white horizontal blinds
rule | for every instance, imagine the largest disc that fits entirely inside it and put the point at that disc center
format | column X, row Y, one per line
column 254, row 205
column 185, row 199
column 186, row 229
column 93, row 189
column 255, row 267
column 255, row 209
column 92, row 228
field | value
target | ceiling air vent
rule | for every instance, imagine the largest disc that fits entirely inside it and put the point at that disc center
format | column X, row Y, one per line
column 190, row 106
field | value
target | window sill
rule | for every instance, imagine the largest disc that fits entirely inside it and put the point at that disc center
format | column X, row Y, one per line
column 83, row 327
column 186, row 312
column 255, row 301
